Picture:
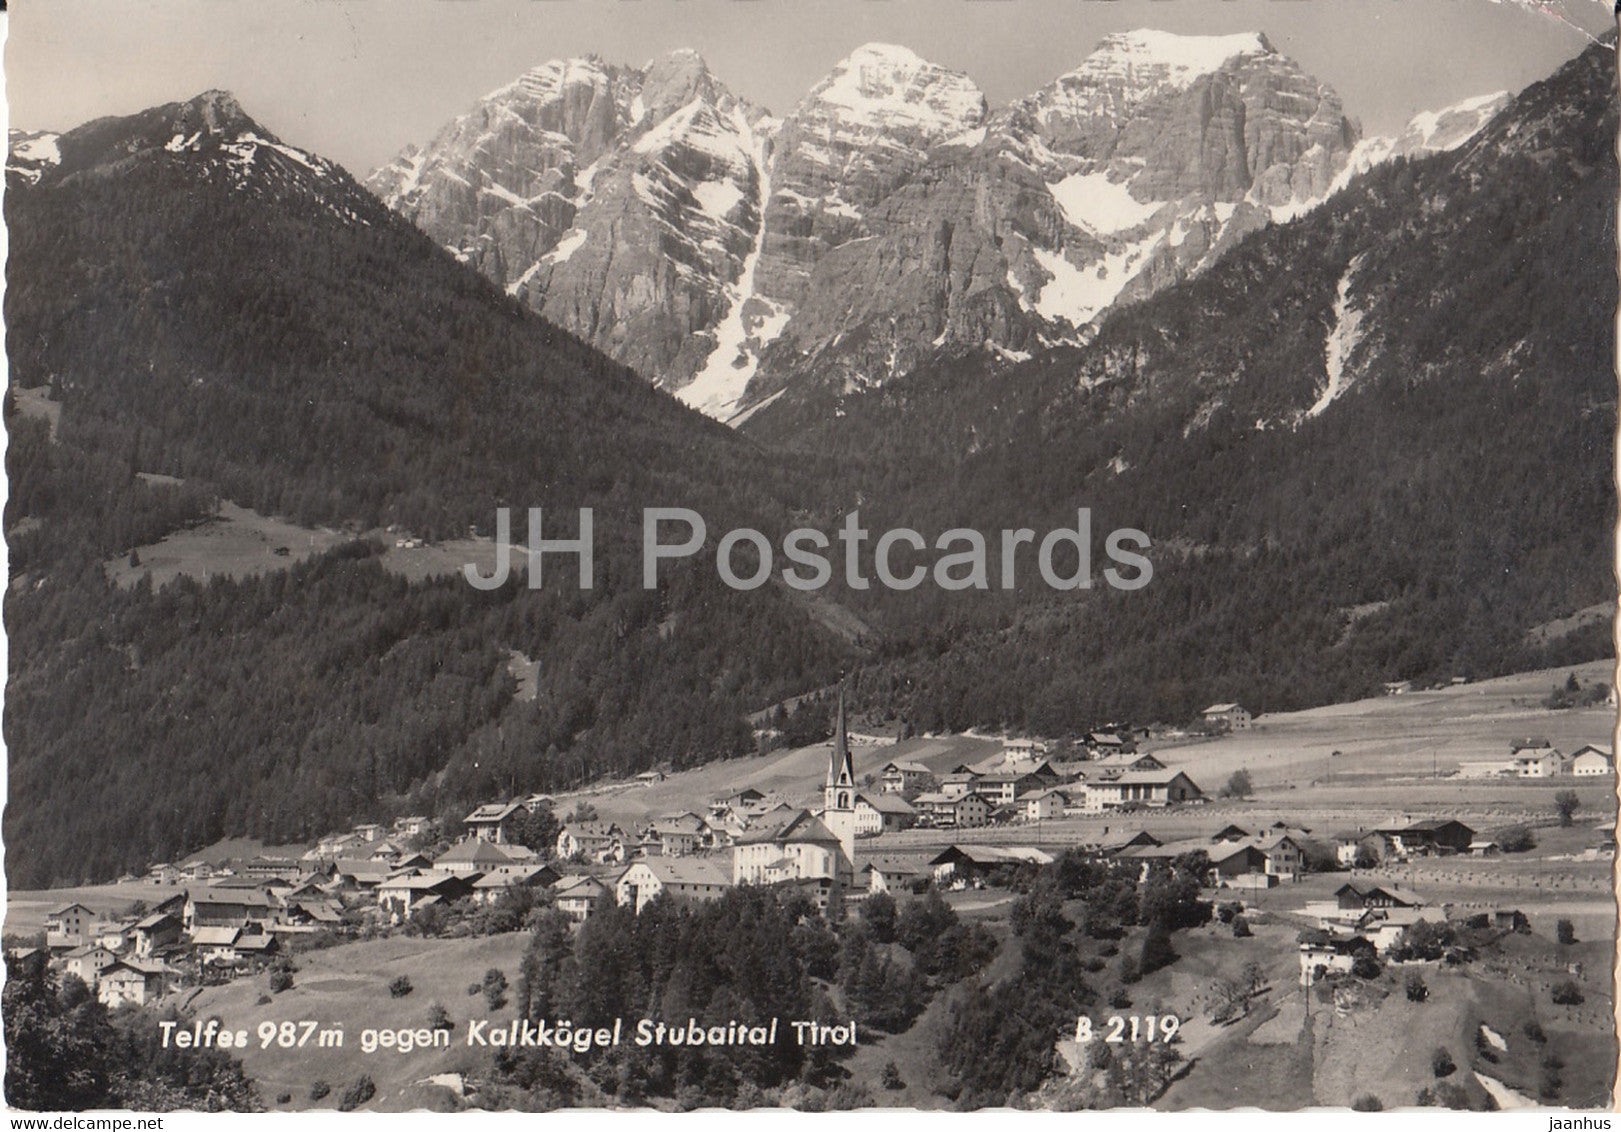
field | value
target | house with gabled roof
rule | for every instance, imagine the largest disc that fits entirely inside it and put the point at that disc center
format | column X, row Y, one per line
column 1143, row 788
column 579, row 896
column 878, row 813
column 1591, row 762
column 892, row 872
column 902, row 777
column 132, row 981
column 592, row 841
column 489, row 822
column 476, row 856
column 490, row 887
column 1372, row 896
column 678, row 834
column 66, row 927
column 1230, row 716
column 680, row 878
column 88, row 961
column 399, row 896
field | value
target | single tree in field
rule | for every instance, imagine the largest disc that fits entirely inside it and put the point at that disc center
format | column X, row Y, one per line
column 1566, row 803
column 1238, row 785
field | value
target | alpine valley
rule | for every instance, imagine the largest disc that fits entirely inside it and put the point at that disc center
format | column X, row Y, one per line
column 1357, row 390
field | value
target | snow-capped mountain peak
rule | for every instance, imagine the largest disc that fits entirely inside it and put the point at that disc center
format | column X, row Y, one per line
column 1164, row 58
column 881, row 84
column 1427, row 132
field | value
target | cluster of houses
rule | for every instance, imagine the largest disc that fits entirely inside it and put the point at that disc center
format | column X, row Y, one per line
column 1535, row 757
column 1022, row 784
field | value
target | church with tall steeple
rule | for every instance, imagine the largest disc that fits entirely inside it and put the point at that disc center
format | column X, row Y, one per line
column 839, row 796
column 805, row 847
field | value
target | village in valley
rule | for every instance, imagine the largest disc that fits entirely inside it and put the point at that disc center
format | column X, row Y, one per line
column 1336, row 862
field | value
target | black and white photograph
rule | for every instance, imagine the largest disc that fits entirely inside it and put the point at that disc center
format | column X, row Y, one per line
column 823, row 555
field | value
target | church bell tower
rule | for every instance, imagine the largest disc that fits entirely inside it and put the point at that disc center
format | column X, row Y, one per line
column 839, row 797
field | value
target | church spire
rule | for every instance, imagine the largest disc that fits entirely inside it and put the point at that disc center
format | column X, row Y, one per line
column 840, row 771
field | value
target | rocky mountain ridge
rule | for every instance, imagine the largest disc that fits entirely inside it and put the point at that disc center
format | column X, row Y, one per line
column 889, row 217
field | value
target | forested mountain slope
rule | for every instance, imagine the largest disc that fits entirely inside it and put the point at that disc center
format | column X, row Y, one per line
column 1374, row 443
column 206, row 302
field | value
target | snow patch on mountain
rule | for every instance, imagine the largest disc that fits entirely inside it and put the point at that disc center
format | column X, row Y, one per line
column 1077, row 295
column 1342, row 339
column 751, row 321
column 1099, row 204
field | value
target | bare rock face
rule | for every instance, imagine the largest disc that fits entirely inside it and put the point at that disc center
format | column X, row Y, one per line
column 618, row 202
column 890, row 216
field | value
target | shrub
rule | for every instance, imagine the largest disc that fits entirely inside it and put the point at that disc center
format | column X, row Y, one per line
column 1367, row 1102
column 1417, row 989
column 474, row 988
column 439, row 1018
column 1565, row 804
column 1366, row 967
column 1227, row 909
column 1241, row 928
column 891, row 1076
column 400, row 987
column 280, row 979
column 357, row 1094
column 284, row 1098
column 319, row 1089
column 1441, row 1063
column 1533, row 1030
column 1567, row 994
column 1238, row 785
column 1565, row 931
column 495, row 988
column 1120, row 1000
column 1516, row 839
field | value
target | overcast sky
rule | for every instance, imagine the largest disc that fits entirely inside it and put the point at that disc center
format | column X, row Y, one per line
column 355, row 80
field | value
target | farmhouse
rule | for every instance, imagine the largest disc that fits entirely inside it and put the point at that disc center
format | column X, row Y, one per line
column 490, row 887
column 894, row 873
column 681, row 878
column 958, row 783
column 903, row 777
column 1352, row 896
column 967, row 862
column 218, row 907
column 1434, row 836
column 154, row 932
column 1323, row 951
column 883, row 813
column 1591, row 762
column 1232, row 717
column 1003, row 788
column 399, row 896
column 131, row 981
